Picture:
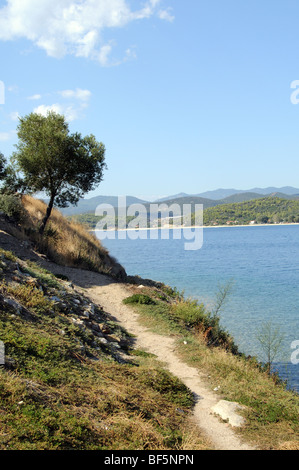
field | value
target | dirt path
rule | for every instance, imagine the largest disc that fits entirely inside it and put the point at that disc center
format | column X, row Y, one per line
column 109, row 295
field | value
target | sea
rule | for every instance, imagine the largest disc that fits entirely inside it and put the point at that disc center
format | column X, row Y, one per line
column 259, row 263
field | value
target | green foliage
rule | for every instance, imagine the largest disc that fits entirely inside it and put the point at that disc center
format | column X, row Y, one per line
column 42, row 274
column 168, row 386
column 189, row 313
column 91, row 220
column 29, row 296
column 65, row 166
column 195, row 317
column 264, row 210
column 8, row 255
column 61, row 389
column 11, row 206
column 2, row 166
column 140, row 299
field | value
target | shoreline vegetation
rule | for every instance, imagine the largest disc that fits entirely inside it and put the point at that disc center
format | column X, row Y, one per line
column 181, row 227
column 45, row 319
column 70, row 376
column 264, row 211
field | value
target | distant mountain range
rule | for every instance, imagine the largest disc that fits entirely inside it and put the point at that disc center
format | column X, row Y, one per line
column 208, row 199
column 90, row 205
column 219, row 194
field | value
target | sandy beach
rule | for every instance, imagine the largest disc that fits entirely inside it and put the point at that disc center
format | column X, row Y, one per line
column 191, row 227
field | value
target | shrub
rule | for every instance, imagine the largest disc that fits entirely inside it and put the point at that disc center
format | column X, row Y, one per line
column 189, row 312
column 140, row 299
column 11, row 206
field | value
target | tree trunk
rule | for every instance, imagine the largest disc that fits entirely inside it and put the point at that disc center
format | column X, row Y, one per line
column 48, row 213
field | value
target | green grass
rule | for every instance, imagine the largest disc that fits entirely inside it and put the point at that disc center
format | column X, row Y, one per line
column 140, row 299
column 45, row 276
column 62, row 389
column 271, row 410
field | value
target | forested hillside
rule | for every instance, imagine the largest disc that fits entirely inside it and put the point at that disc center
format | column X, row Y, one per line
column 264, row 210
column 261, row 211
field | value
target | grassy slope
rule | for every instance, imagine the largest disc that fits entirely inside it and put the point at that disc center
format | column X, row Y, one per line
column 272, row 411
column 72, row 382
column 71, row 379
column 64, row 242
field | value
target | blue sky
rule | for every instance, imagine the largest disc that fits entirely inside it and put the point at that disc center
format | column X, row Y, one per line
column 186, row 95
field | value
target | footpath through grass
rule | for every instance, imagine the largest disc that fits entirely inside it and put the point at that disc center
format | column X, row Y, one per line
column 272, row 412
column 71, row 379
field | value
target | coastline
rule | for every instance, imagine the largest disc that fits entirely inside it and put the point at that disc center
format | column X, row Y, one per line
column 192, row 227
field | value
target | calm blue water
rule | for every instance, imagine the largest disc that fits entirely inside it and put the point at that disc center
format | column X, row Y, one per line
column 262, row 262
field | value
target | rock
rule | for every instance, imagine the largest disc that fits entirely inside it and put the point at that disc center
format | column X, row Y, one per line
column 104, row 328
column 227, row 410
column 95, row 327
column 112, row 338
column 78, row 322
column 91, row 309
column 14, row 304
column 98, row 334
column 103, row 341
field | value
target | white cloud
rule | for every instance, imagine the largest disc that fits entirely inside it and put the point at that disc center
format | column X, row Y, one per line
column 35, row 97
column 44, row 109
column 79, row 94
column 74, row 27
column 166, row 15
column 103, row 56
column 72, row 108
column 70, row 112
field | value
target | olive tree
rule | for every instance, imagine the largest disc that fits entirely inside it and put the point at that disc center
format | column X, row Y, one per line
column 2, row 166
column 51, row 160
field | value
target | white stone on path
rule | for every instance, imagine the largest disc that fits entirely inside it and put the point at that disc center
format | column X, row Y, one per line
column 227, row 410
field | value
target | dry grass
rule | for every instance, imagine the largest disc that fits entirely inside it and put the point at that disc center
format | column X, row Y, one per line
column 271, row 411
column 63, row 389
column 66, row 242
